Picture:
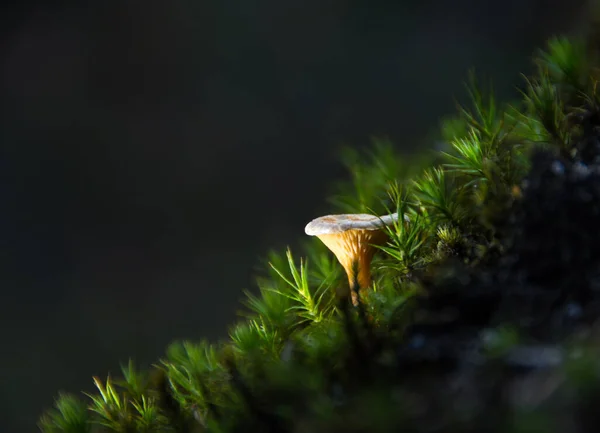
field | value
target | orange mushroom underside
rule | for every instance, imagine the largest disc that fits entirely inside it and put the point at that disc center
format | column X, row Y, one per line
column 355, row 249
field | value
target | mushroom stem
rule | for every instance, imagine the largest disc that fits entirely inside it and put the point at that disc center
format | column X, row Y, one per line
column 360, row 281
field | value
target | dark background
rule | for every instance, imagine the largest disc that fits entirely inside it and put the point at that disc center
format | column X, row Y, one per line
column 153, row 150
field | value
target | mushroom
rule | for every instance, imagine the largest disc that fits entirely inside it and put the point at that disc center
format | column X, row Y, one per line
column 352, row 238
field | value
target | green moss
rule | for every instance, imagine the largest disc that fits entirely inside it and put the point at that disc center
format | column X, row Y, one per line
column 303, row 360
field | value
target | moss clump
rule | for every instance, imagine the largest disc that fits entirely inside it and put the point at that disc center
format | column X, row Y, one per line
column 481, row 315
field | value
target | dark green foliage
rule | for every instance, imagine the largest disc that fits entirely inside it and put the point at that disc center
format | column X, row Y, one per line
column 437, row 191
column 70, row 416
column 406, row 241
column 490, row 289
column 371, row 174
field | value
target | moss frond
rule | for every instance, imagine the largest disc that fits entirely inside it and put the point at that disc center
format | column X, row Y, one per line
column 370, row 173
column 437, row 191
column 470, row 159
column 197, row 379
column 485, row 117
column 566, row 62
column 134, row 381
column 452, row 127
column 113, row 409
column 407, row 240
column 148, row 417
column 70, row 415
column 310, row 305
column 543, row 100
column 270, row 306
column 256, row 335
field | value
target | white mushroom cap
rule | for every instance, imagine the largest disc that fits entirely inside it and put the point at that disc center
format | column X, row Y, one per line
column 331, row 224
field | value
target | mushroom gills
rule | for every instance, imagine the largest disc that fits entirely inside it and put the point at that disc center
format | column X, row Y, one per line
column 355, row 249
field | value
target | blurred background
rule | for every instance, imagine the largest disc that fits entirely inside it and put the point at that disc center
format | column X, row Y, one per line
column 152, row 151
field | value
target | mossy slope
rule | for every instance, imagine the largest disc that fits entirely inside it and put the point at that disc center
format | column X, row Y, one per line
column 481, row 316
